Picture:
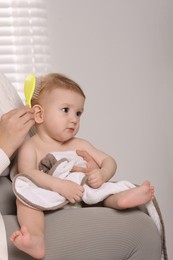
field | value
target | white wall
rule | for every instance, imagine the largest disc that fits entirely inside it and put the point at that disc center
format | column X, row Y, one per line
column 121, row 53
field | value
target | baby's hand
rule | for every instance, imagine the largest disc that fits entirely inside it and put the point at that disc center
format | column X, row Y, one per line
column 72, row 191
column 95, row 178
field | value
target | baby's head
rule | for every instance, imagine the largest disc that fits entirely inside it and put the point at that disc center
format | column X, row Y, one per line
column 45, row 84
column 58, row 104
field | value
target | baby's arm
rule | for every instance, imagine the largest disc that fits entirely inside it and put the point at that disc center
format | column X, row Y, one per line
column 99, row 176
column 107, row 165
column 27, row 164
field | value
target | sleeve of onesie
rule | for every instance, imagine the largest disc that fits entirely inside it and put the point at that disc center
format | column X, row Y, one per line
column 4, row 162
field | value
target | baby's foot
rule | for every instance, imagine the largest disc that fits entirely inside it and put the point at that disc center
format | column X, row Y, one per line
column 136, row 196
column 32, row 245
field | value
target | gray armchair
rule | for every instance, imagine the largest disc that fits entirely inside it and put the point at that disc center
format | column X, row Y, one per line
column 88, row 233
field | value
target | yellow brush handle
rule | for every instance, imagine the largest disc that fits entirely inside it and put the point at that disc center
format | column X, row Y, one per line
column 29, row 87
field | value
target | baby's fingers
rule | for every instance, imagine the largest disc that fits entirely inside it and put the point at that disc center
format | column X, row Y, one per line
column 76, row 197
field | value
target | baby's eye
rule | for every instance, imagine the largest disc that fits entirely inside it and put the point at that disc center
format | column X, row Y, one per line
column 79, row 113
column 65, row 109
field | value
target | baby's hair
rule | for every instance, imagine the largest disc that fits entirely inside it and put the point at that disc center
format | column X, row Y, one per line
column 47, row 83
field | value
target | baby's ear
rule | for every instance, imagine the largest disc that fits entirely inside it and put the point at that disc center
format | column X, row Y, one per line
column 38, row 113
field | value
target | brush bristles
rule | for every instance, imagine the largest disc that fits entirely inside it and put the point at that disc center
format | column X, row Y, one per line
column 37, row 88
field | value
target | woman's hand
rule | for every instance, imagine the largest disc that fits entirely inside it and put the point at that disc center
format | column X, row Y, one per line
column 14, row 126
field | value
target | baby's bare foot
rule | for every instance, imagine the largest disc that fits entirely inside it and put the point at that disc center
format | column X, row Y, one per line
column 136, row 196
column 32, row 245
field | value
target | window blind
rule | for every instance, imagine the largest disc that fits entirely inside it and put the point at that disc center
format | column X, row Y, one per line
column 24, row 45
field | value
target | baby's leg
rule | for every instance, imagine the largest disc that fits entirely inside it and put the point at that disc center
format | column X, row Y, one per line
column 30, row 237
column 131, row 198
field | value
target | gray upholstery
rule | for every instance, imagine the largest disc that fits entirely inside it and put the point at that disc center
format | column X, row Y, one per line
column 94, row 233
column 7, row 198
column 90, row 233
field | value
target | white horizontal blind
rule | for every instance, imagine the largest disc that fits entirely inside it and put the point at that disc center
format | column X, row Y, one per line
column 24, row 46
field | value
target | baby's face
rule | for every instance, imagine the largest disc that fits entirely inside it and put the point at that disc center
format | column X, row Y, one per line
column 62, row 111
